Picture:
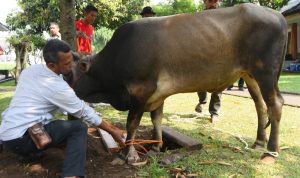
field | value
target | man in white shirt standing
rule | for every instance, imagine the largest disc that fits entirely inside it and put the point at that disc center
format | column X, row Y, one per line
column 54, row 31
column 39, row 93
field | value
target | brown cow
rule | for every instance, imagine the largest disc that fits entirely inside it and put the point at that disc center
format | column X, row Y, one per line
column 150, row 59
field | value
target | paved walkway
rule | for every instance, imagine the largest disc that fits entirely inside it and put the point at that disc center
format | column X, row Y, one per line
column 289, row 99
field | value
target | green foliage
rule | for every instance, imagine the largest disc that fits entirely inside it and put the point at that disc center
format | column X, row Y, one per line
column 172, row 7
column 101, row 37
column 184, row 6
column 35, row 15
column 111, row 13
column 274, row 4
column 163, row 9
column 31, row 41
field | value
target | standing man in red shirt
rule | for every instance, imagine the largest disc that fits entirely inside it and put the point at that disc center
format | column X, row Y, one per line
column 85, row 30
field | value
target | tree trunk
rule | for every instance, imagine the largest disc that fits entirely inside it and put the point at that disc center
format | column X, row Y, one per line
column 21, row 58
column 67, row 22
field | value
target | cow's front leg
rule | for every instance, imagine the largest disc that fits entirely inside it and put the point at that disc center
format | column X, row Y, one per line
column 133, row 121
column 156, row 118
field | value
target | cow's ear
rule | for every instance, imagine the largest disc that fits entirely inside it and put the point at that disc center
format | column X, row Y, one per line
column 84, row 66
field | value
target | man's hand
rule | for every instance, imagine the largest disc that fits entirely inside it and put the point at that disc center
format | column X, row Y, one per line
column 81, row 34
column 118, row 137
column 117, row 134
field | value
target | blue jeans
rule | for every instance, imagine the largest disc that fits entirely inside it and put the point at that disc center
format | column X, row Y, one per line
column 73, row 133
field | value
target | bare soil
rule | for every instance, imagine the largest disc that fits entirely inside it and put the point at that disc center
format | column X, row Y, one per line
column 98, row 162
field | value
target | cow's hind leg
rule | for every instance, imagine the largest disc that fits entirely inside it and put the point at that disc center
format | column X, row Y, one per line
column 268, row 84
column 261, row 110
column 156, row 118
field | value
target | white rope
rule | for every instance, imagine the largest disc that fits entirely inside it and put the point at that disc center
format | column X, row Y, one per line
column 240, row 138
column 272, row 153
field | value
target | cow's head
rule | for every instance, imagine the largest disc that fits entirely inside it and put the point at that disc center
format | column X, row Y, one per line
column 81, row 65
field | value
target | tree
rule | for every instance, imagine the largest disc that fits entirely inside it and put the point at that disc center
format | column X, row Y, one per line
column 274, row 4
column 29, row 24
column 36, row 16
column 23, row 44
column 67, row 22
column 184, row 6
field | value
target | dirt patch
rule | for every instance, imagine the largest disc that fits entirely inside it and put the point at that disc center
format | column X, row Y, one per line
column 50, row 163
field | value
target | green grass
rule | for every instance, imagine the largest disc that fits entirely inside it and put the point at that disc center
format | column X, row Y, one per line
column 238, row 118
column 7, row 66
column 290, row 82
column 8, row 85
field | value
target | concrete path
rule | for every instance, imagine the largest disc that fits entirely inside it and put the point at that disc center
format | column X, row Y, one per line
column 289, row 99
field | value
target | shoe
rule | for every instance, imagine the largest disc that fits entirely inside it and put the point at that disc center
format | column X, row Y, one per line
column 241, row 88
column 198, row 108
column 214, row 119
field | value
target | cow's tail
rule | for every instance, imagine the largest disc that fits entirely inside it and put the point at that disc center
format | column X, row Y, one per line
column 283, row 53
column 281, row 64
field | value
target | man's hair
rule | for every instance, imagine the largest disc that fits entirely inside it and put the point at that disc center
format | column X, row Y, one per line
column 51, row 49
column 89, row 8
column 54, row 23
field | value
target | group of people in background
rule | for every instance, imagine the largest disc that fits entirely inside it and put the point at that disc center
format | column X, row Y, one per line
column 84, row 30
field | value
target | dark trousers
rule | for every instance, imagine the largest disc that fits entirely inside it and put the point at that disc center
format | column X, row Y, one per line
column 214, row 104
column 240, row 83
column 73, row 133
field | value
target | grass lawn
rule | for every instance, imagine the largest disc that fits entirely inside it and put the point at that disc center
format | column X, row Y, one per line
column 290, row 82
column 238, row 118
column 7, row 66
column 217, row 158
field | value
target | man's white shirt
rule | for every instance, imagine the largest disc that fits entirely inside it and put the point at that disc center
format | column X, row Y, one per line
column 39, row 94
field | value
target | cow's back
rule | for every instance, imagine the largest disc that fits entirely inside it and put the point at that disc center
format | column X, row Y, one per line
column 204, row 51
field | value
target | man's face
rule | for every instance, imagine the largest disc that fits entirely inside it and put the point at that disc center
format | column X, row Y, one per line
column 211, row 4
column 90, row 17
column 65, row 63
column 54, row 30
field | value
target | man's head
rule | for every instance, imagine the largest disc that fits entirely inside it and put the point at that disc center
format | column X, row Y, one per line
column 211, row 4
column 147, row 12
column 90, row 13
column 54, row 29
column 58, row 57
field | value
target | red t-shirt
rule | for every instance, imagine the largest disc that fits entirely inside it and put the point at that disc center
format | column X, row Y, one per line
column 84, row 44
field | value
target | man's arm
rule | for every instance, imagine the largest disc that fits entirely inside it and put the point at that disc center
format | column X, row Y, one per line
column 115, row 133
column 68, row 101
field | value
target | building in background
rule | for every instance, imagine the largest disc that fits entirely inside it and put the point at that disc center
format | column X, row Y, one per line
column 9, row 54
column 291, row 12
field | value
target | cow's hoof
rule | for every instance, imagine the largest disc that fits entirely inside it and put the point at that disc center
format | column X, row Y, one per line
column 132, row 156
column 258, row 145
column 267, row 159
